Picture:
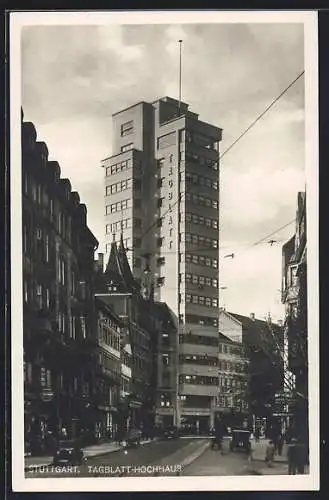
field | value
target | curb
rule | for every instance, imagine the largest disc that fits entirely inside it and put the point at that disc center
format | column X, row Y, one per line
column 192, row 458
column 28, row 468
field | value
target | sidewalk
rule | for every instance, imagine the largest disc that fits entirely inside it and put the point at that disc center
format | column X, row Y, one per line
column 90, row 451
column 259, row 450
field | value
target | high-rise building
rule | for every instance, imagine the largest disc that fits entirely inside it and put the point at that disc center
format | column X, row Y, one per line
column 162, row 194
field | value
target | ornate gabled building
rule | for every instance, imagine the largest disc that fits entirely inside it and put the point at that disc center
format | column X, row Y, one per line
column 58, row 336
column 294, row 296
column 118, row 288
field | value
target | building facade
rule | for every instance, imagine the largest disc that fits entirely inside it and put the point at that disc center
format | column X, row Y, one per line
column 166, row 366
column 118, row 288
column 262, row 343
column 294, row 296
column 58, row 335
column 165, row 155
column 110, row 330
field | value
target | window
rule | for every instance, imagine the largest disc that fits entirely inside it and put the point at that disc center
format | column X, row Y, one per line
column 127, row 128
column 160, row 242
column 127, row 147
column 83, row 327
column 47, row 298
column 61, row 271
column 215, row 224
column 167, row 140
column 39, row 296
column 61, row 322
column 161, row 261
column 160, row 202
column 51, row 209
column 160, row 281
column 47, row 248
column 215, row 282
column 137, row 263
column 26, row 294
column 165, row 359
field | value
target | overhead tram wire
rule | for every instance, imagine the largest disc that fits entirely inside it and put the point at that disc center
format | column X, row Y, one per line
column 247, row 247
column 252, row 124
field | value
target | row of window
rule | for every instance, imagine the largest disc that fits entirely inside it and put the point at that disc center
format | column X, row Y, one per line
column 127, row 128
column 190, row 338
column 36, row 239
column 194, row 158
column 107, row 335
column 200, row 180
column 202, row 221
column 118, row 206
column 199, row 320
column 199, row 260
column 118, row 167
column 198, row 380
column 41, row 197
column 199, row 240
column 117, row 187
column 196, row 279
column 198, row 359
column 109, row 364
column 231, row 382
column 201, row 300
column 50, row 379
column 199, row 199
column 73, row 326
column 230, row 349
column 226, row 366
column 200, row 139
column 231, row 402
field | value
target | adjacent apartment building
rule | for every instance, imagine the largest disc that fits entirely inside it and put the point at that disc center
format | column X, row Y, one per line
column 162, row 194
column 58, row 334
column 294, row 296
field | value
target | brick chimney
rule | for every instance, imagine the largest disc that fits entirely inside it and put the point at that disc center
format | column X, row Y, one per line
column 269, row 319
column 252, row 316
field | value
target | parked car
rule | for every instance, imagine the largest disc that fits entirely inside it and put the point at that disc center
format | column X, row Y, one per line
column 69, row 453
column 240, row 440
column 170, row 433
column 132, row 438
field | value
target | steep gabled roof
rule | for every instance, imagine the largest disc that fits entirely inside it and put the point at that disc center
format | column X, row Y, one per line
column 126, row 271
column 118, row 270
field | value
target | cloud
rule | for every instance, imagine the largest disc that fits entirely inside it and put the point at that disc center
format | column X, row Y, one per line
column 75, row 77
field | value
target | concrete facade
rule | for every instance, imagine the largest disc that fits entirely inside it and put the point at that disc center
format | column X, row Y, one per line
column 165, row 200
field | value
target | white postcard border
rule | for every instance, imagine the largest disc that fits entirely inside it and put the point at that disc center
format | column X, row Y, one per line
column 205, row 483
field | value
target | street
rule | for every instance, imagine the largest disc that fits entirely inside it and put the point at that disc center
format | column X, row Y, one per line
column 213, row 463
column 131, row 461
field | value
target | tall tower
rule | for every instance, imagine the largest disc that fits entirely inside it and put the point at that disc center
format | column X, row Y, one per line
column 162, row 193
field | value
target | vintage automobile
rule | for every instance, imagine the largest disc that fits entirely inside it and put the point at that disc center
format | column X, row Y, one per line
column 69, row 453
column 170, row 433
column 240, row 440
column 132, row 438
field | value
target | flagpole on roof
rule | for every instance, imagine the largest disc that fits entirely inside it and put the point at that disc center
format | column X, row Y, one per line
column 180, row 75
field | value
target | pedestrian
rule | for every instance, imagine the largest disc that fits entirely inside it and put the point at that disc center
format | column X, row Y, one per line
column 292, row 459
column 280, row 444
column 219, row 433
column 269, row 454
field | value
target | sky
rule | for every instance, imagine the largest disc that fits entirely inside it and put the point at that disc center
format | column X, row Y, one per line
column 75, row 77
